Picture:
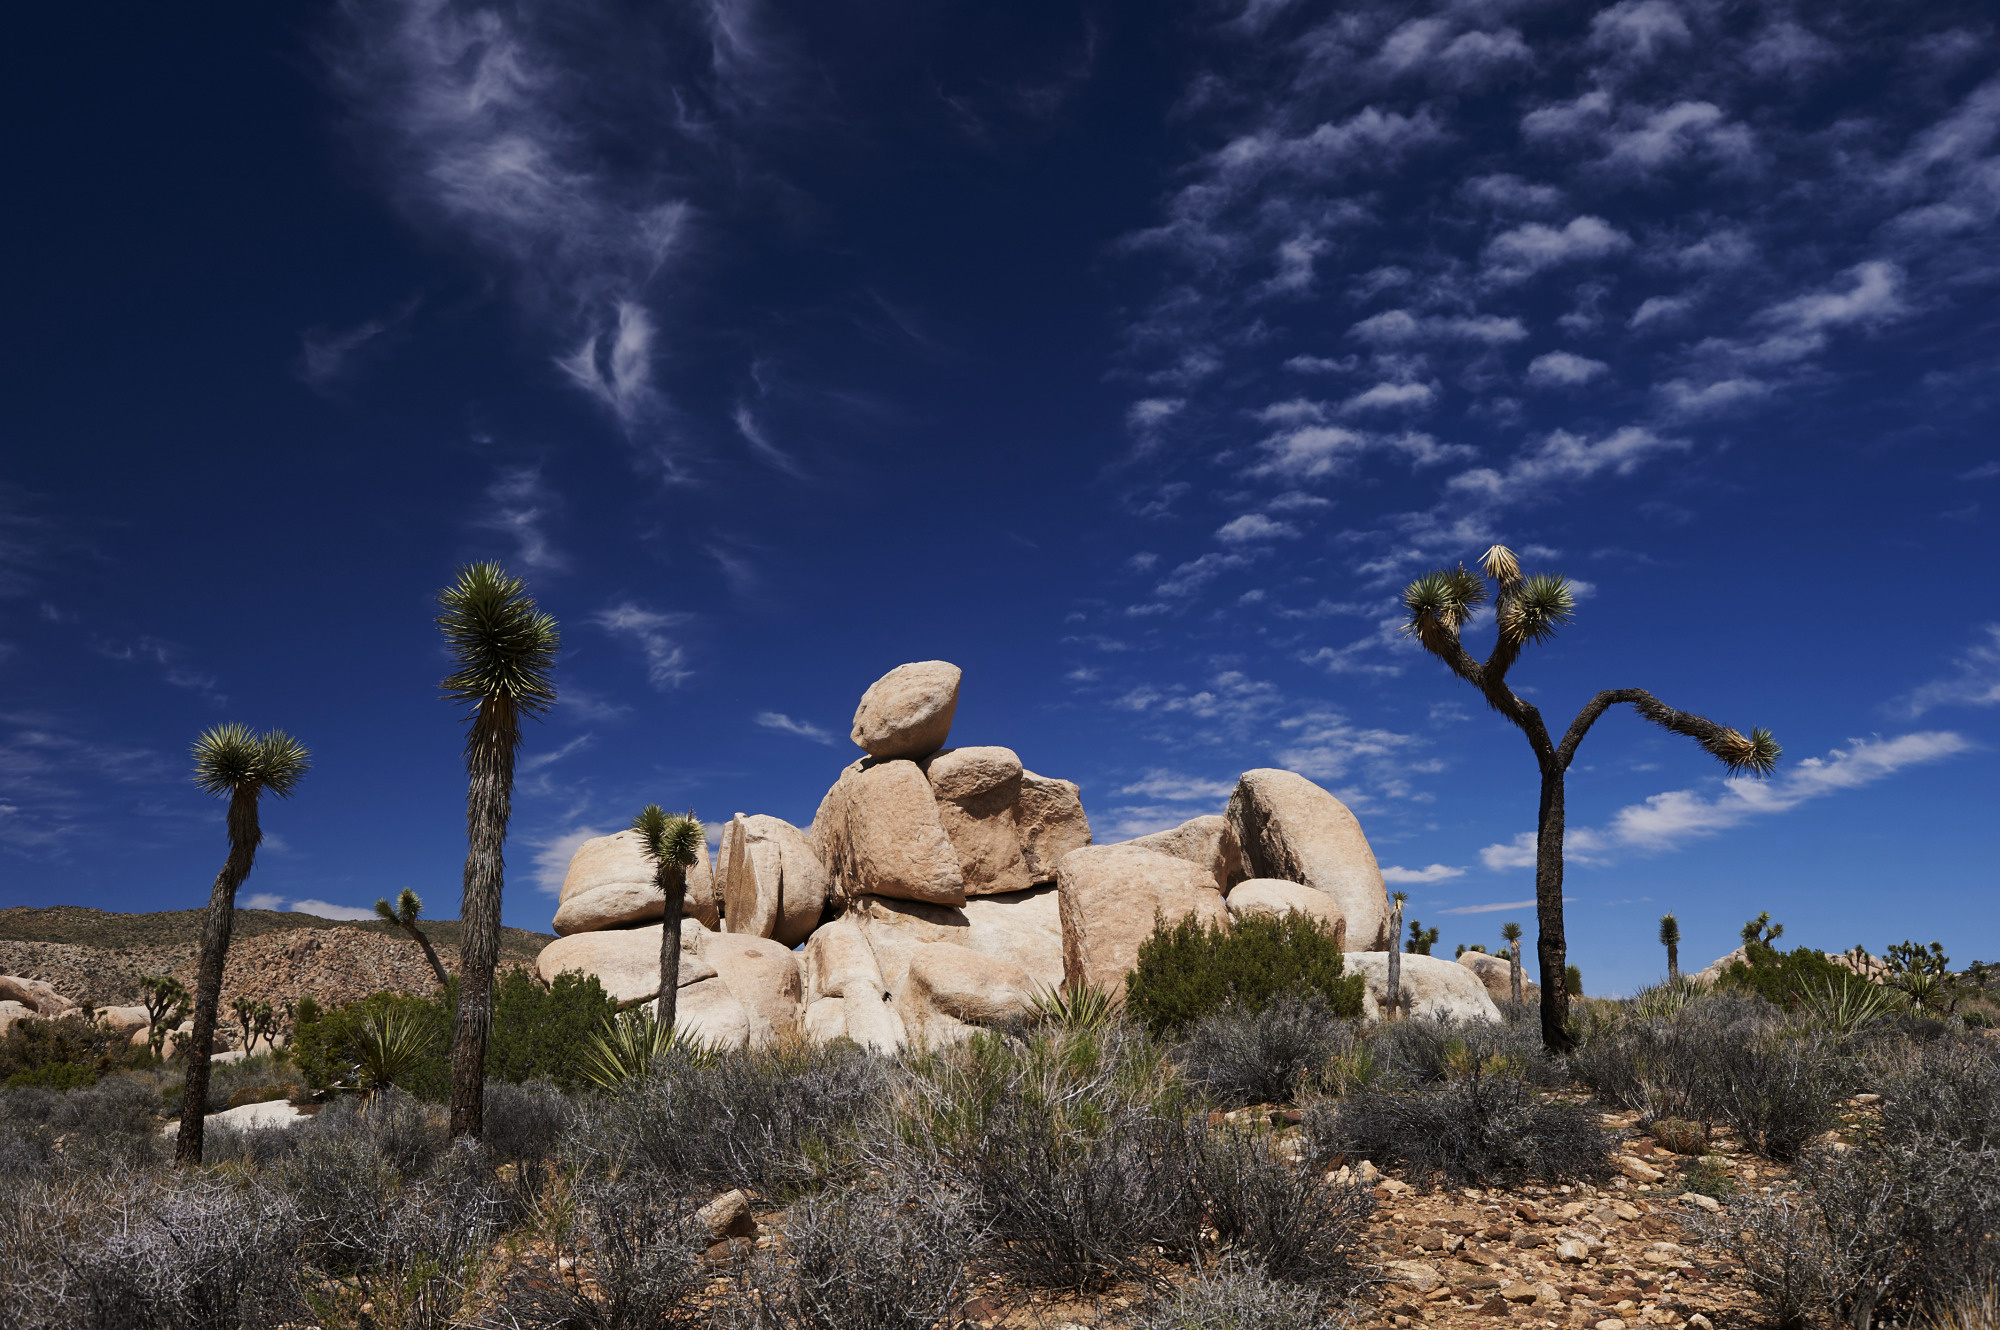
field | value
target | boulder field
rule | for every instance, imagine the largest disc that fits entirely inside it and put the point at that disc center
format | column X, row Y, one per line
column 941, row 889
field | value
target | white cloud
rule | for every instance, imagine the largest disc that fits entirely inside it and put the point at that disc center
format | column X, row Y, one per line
column 1532, row 247
column 1434, row 873
column 1148, row 414
column 1325, row 745
column 777, row 720
column 519, row 504
column 1390, row 396
column 1639, row 30
column 1400, row 327
column 1512, row 193
column 1974, row 681
column 1659, row 309
column 760, row 443
column 1494, row 907
column 1564, row 457
column 1195, row 574
column 1253, row 526
column 1666, row 821
column 616, row 366
column 1679, row 131
column 1687, row 398
column 1562, row 369
column 263, row 900
column 326, row 911
column 1317, row 451
column 552, row 856
column 666, row 660
column 1173, row 787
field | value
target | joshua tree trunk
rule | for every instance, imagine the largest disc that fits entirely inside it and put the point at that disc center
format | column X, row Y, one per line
column 1395, row 984
column 496, row 735
column 244, row 835
column 1673, row 962
column 673, row 885
column 430, row 954
column 1551, row 947
column 1514, row 968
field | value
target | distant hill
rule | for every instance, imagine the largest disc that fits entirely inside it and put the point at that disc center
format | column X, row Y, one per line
column 100, row 956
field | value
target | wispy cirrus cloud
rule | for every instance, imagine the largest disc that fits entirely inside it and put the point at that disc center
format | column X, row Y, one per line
column 520, row 504
column 783, row 724
column 1974, row 680
column 1433, row 873
column 650, row 631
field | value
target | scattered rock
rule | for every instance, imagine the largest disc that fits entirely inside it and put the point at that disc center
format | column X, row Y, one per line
column 39, row 997
column 727, row 1216
column 1572, row 1251
column 1110, row 896
column 1413, row 1275
column 1292, row 829
column 1636, row 1169
column 1708, row 1203
column 907, row 712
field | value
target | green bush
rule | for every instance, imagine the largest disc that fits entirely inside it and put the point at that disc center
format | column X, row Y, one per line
column 537, row 1034
column 66, row 1053
column 1789, row 978
column 1188, row 970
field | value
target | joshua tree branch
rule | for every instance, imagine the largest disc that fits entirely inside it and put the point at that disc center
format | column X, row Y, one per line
column 1725, row 744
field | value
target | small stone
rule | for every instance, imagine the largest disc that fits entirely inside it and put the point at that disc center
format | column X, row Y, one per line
column 1547, row 1295
column 1518, row 1293
column 1393, row 1185
column 1705, row 1202
column 1413, row 1275
column 1574, row 1251
column 1700, row 1322
column 1610, row 1323
column 1625, row 1210
column 1636, row 1169
column 1528, row 1238
column 1863, row 1100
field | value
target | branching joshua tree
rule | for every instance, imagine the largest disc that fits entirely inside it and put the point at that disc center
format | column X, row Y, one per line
column 1512, row 932
column 1421, row 939
column 404, row 915
column 1670, row 938
column 506, row 652
column 1761, row 932
column 167, row 1002
column 229, row 760
column 1529, row 610
column 672, row 842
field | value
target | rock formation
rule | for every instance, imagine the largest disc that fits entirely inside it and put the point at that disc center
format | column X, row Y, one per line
column 1434, row 987
column 1496, row 972
column 939, row 890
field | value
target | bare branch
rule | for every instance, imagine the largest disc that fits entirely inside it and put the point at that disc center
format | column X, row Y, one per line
column 1757, row 753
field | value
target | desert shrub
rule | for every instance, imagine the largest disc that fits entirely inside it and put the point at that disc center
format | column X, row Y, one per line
column 1292, row 1223
column 616, row 1254
column 1788, row 979
column 525, row 1123
column 776, row 1119
column 127, row 1251
column 1078, row 1150
column 1420, row 1050
column 108, row 1124
column 1778, row 1092
column 330, row 1051
column 250, row 1080
column 66, row 1053
column 1237, row 1056
column 1479, row 1131
column 888, row 1255
column 1240, row 1296
column 1947, row 1090
column 1680, row 1135
column 1188, row 970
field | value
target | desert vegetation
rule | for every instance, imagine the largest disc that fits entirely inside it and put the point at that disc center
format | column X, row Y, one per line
column 1229, row 1147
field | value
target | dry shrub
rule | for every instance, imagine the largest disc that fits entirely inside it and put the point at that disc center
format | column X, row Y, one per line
column 1292, row 1223
column 1237, row 1056
column 617, row 1254
column 1239, row 1296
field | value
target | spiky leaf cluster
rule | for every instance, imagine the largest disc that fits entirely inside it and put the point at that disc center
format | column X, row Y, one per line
column 230, row 758
column 1670, row 930
column 1757, row 754
column 1535, row 609
column 669, row 838
column 404, row 912
column 1512, row 932
column 1441, row 601
column 505, row 647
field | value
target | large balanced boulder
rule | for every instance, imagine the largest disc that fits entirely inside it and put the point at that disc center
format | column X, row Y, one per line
column 879, row 833
column 1437, row 988
column 1110, row 897
column 1051, row 822
column 1207, row 841
column 733, row 990
column 1270, row 897
column 769, row 881
column 625, row 961
column 610, row 885
column 1496, row 972
column 1024, row 928
column 1290, row 828
column 907, row 712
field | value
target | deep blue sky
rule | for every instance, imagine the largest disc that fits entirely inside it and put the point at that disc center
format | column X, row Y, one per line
column 1131, row 357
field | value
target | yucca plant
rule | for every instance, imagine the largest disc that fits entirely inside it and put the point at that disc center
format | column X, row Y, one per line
column 229, row 760
column 391, row 1045
column 1670, row 938
column 1847, row 1006
column 674, row 843
column 1529, row 610
column 1079, row 1007
column 1512, row 932
column 409, row 907
column 506, row 654
column 630, row 1043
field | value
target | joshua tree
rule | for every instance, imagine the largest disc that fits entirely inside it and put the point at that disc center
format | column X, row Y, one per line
column 1527, row 610
column 264, row 1025
column 1670, row 938
column 246, row 1020
column 672, row 842
column 166, row 1000
column 404, row 914
column 229, row 760
column 506, row 650
column 1512, row 932
column 1421, row 939
column 1761, row 932
column 1395, row 984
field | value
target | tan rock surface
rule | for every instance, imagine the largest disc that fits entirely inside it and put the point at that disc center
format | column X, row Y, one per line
column 838, row 964
column 881, row 835
column 1051, row 822
column 707, row 1011
column 1441, row 989
column 950, row 989
column 1024, row 928
column 1292, row 829
column 1271, row 897
column 1109, row 897
column 763, row 975
column 977, row 792
column 610, row 885
column 770, row 882
column 1207, row 841
column 626, row 961
column 907, row 712
column 35, row 994
column 896, row 928
column 1494, row 971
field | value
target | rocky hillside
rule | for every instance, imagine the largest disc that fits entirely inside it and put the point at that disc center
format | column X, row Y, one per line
column 98, row 956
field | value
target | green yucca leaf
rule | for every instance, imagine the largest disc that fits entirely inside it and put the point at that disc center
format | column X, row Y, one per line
column 669, row 838
column 505, row 647
column 230, row 757
column 1757, row 754
column 631, row 1043
column 1443, row 597
column 1542, row 604
column 391, row 1044
column 1500, row 564
column 1670, row 930
column 1083, row 1008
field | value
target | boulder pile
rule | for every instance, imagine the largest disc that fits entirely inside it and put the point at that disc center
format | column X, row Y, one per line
column 940, row 889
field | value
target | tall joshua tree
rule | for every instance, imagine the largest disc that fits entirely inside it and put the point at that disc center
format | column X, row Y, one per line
column 409, row 907
column 671, row 841
column 506, row 652
column 1529, row 610
column 1670, row 938
column 1512, row 932
column 229, row 760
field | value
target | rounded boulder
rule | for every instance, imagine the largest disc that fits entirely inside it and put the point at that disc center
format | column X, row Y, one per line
column 907, row 712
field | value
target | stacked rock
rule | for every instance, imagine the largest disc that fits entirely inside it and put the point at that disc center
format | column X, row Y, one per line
column 940, row 889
